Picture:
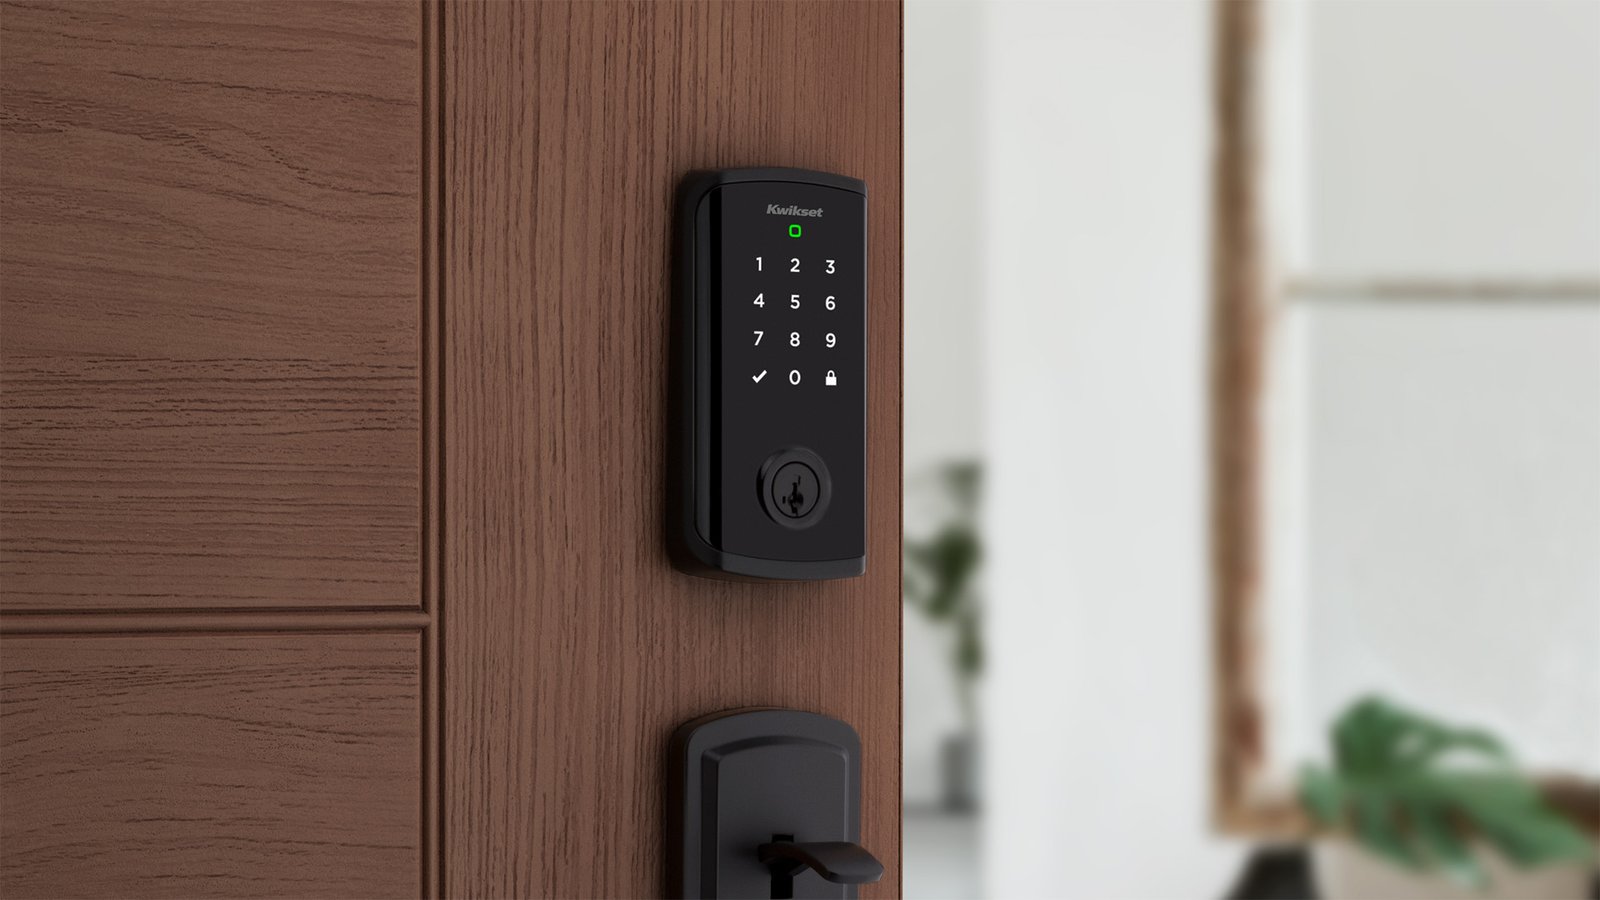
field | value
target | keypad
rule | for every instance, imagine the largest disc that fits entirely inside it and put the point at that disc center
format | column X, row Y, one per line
column 791, row 323
column 794, row 319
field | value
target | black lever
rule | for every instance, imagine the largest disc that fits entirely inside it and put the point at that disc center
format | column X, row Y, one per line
column 840, row 862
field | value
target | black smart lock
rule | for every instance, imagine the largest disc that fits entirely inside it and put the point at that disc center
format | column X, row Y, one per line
column 769, row 437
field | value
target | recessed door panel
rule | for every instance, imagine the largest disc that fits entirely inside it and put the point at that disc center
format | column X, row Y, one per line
column 211, row 765
column 210, row 283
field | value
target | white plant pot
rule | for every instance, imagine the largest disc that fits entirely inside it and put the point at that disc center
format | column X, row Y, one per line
column 1345, row 871
column 961, row 765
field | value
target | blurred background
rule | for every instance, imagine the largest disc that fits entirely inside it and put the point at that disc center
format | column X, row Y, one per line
column 1252, row 370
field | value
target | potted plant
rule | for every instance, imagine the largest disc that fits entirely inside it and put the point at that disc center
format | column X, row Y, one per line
column 1419, row 808
column 939, row 584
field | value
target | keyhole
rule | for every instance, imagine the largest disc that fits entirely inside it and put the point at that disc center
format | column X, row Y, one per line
column 793, row 495
column 795, row 499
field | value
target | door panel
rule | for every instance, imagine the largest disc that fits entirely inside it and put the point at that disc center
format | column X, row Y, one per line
column 211, row 764
column 571, row 647
column 333, row 423
column 210, row 285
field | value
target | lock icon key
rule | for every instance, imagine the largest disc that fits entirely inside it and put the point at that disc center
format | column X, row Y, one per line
column 830, row 379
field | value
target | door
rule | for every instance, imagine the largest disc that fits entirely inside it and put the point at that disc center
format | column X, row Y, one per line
column 333, row 422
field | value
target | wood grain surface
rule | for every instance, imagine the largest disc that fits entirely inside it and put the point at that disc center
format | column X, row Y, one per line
column 571, row 647
column 1241, row 302
column 210, row 265
column 332, row 431
column 210, row 765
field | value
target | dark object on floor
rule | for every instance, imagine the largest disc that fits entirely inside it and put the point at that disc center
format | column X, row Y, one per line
column 1275, row 873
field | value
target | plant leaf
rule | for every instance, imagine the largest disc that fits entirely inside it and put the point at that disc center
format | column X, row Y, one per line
column 1376, row 829
column 1425, row 742
column 1362, row 735
column 1322, row 794
column 1393, row 780
column 1444, row 846
column 1520, row 825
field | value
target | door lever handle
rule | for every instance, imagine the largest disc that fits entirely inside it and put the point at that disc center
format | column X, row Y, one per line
column 838, row 861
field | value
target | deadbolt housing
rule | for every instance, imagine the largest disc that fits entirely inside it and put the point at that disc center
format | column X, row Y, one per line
column 768, row 436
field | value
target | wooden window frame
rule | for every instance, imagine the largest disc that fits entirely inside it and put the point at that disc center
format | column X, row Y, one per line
column 1245, row 302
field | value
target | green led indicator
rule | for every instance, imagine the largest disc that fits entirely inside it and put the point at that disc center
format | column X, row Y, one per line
column 794, row 230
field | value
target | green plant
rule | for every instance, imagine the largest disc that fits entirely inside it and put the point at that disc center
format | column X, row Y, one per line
column 939, row 576
column 1418, row 793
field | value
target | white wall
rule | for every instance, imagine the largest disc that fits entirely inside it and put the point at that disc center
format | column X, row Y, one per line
column 1056, row 173
column 944, row 238
column 1455, row 138
column 943, row 358
column 1095, row 159
column 1443, row 457
column 1453, row 532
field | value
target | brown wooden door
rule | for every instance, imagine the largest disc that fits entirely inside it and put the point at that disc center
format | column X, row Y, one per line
column 332, row 434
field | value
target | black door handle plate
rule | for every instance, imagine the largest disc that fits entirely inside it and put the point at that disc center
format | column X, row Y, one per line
column 767, row 803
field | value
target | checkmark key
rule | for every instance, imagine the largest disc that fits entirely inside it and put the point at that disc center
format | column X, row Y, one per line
column 757, row 378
